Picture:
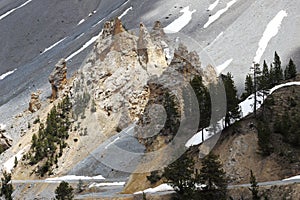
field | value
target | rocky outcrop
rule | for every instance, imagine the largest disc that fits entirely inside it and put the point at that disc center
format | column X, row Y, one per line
column 5, row 141
column 58, row 78
column 35, row 103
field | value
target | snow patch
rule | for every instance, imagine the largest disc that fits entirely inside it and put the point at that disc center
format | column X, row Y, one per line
column 292, row 178
column 223, row 66
column 3, row 76
column 81, row 21
column 2, row 126
column 10, row 163
column 107, row 184
column 207, row 133
column 270, row 32
column 160, row 188
column 216, row 16
column 213, row 5
column 74, row 178
column 246, row 107
column 180, row 22
column 86, row 45
column 125, row 12
column 52, row 46
column 112, row 142
column 14, row 9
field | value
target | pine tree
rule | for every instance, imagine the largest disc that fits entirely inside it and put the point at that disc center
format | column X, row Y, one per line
column 179, row 175
column 64, row 191
column 265, row 77
column 290, row 70
column 272, row 76
column 233, row 109
column 249, row 87
column 278, row 74
column 214, row 177
column 6, row 186
column 254, row 187
column 204, row 102
column 264, row 134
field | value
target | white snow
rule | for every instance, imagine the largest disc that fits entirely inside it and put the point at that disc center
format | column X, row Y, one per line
column 3, row 76
column 181, row 21
column 292, row 178
column 81, row 21
column 213, row 5
column 2, row 126
column 112, row 142
column 160, row 188
column 86, row 45
column 246, row 108
column 207, row 133
column 9, row 164
column 216, row 16
column 218, row 37
column 223, row 66
column 270, row 32
column 107, row 184
column 125, row 12
column 14, row 9
column 74, row 178
column 52, row 46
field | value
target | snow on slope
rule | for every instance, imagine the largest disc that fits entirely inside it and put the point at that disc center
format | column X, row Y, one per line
column 52, row 46
column 7, row 74
column 292, row 178
column 14, row 9
column 81, row 21
column 213, row 5
column 246, row 109
column 270, row 32
column 181, row 21
column 216, row 16
column 223, row 66
column 106, row 184
column 74, row 178
column 10, row 163
column 160, row 188
column 125, row 12
column 86, row 45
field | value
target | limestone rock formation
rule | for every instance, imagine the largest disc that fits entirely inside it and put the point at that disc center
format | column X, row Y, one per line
column 5, row 141
column 58, row 78
column 35, row 103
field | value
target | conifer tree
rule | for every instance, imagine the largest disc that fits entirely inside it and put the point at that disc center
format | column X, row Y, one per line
column 249, row 87
column 214, row 177
column 204, row 102
column 254, row 186
column 179, row 175
column 278, row 74
column 233, row 109
column 265, row 77
column 64, row 191
column 6, row 186
column 290, row 70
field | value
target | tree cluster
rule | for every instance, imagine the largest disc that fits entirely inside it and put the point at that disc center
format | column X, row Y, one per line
column 48, row 145
column 210, row 183
column 6, row 186
column 64, row 191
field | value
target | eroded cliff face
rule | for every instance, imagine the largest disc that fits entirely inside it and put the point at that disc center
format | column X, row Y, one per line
column 58, row 78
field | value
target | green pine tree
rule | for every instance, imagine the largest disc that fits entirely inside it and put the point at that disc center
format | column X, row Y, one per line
column 249, row 87
column 64, row 191
column 254, row 187
column 179, row 175
column 214, row 177
column 204, row 102
column 264, row 134
column 290, row 70
column 265, row 77
column 6, row 186
column 278, row 74
column 233, row 109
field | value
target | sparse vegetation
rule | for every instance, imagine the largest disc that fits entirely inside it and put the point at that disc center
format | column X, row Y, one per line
column 50, row 141
column 6, row 186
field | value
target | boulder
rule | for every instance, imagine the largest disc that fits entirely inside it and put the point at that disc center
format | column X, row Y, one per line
column 58, row 78
column 35, row 103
